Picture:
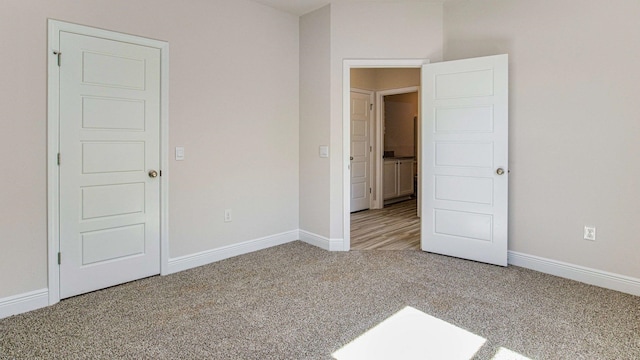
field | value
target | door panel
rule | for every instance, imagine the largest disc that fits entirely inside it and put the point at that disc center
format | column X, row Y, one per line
column 405, row 177
column 462, row 224
column 113, row 243
column 112, row 200
column 124, row 72
column 464, row 188
column 465, row 137
column 360, row 150
column 112, row 114
column 476, row 83
column 112, row 156
column 471, row 119
column 109, row 141
column 390, row 180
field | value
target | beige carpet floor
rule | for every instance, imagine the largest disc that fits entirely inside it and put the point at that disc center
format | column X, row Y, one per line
column 296, row 301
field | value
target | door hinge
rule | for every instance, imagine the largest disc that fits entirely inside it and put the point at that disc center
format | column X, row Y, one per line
column 369, row 190
column 370, row 148
column 370, row 107
column 160, row 172
column 59, row 258
column 58, row 158
column 58, row 54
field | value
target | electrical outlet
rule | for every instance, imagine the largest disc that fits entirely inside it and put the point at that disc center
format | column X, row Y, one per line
column 227, row 215
column 590, row 233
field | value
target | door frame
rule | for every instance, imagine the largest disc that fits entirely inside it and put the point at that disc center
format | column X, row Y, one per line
column 347, row 65
column 371, row 93
column 380, row 137
column 53, row 142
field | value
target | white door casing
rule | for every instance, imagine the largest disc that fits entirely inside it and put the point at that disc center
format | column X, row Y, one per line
column 109, row 107
column 465, row 158
column 361, row 104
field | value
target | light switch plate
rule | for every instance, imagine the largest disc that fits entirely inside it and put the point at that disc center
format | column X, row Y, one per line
column 179, row 153
column 324, row 151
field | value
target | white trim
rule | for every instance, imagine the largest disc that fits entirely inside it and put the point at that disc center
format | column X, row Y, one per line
column 53, row 122
column 346, row 132
column 209, row 256
column 579, row 273
column 164, row 158
column 321, row 241
column 380, row 136
column 53, row 218
column 385, row 63
column 21, row 303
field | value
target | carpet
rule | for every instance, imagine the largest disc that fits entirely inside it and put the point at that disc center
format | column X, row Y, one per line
column 296, row 301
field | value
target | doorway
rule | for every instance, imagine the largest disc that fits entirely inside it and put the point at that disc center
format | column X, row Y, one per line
column 398, row 120
column 391, row 221
column 464, row 182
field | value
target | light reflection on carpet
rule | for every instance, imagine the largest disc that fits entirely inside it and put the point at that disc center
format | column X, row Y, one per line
column 506, row 354
column 412, row 334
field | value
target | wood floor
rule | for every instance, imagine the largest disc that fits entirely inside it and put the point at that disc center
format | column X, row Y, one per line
column 396, row 227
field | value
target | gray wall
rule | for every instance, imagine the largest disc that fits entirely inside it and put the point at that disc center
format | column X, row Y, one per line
column 574, row 121
column 233, row 106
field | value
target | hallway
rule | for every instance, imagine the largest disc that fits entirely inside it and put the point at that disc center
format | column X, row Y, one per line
column 396, row 227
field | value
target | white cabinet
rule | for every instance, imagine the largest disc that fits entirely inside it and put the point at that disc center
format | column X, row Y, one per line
column 390, row 179
column 405, row 177
column 397, row 178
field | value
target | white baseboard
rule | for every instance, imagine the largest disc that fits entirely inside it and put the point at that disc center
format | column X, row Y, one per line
column 321, row 241
column 209, row 256
column 21, row 303
column 583, row 274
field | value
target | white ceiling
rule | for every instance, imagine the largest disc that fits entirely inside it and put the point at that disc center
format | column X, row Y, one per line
column 301, row 7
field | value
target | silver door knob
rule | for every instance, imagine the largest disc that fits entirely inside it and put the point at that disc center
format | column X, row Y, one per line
column 500, row 171
column 153, row 173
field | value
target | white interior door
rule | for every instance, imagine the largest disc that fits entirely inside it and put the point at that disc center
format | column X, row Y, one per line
column 465, row 158
column 360, row 150
column 109, row 148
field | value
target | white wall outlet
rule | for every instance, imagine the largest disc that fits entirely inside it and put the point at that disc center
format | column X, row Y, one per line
column 227, row 215
column 590, row 233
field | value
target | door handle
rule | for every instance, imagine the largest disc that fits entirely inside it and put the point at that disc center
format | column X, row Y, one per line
column 500, row 171
column 350, row 157
column 153, row 174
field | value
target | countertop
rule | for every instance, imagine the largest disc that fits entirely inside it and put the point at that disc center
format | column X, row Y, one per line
column 399, row 158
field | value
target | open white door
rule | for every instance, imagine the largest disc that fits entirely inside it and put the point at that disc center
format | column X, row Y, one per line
column 465, row 158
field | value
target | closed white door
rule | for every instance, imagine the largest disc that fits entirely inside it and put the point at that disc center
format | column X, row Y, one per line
column 360, row 150
column 465, row 158
column 109, row 151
